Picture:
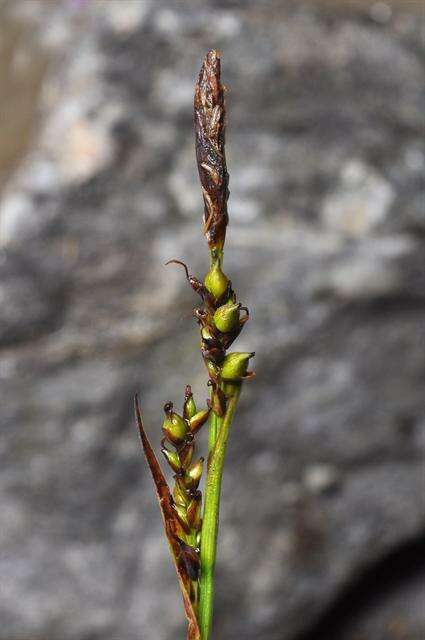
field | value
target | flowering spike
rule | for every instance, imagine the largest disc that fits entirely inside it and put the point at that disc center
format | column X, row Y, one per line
column 192, row 535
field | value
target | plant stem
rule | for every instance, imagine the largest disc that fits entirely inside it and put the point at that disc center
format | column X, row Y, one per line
column 219, row 429
column 212, row 433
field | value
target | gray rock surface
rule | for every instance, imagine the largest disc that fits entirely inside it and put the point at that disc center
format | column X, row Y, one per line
column 325, row 463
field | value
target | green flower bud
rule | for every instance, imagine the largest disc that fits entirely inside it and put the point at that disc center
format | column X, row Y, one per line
column 182, row 515
column 193, row 474
column 198, row 420
column 226, row 318
column 216, row 281
column 235, row 366
column 173, row 459
column 180, row 496
column 189, row 408
column 174, row 427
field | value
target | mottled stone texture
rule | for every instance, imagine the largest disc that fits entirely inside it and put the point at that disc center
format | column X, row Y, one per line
column 322, row 490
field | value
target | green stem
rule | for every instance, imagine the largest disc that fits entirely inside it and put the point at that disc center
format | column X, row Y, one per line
column 220, row 428
column 212, row 433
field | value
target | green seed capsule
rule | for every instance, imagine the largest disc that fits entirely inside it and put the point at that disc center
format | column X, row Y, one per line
column 173, row 459
column 174, row 427
column 226, row 318
column 193, row 474
column 216, row 281
column 235, row 366
column 189, row 408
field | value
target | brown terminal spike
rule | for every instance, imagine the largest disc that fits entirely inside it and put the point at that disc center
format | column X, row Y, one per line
column 209, row 111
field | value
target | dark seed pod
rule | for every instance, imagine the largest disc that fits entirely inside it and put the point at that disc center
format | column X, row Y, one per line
column 213, row 354
column 189, row 559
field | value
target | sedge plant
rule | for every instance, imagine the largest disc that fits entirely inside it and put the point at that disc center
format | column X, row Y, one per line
column 190, row 529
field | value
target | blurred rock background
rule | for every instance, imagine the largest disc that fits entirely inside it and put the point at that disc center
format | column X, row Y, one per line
column 322, row 519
